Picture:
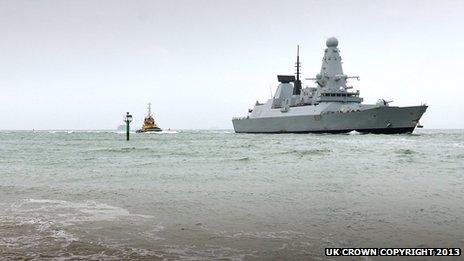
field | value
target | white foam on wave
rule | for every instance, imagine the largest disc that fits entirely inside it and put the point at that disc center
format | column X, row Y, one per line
column 153, row 234
column 68, row 213
column 150, row 132
column 61, row 131
column 162, row 132
column 42, row 231
column 99, row 256
column 66, row 236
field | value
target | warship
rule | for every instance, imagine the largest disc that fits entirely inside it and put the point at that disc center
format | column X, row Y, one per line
column 149, row 124
column 329, row 107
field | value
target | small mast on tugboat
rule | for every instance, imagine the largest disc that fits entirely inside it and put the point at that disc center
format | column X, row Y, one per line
column 149, row 124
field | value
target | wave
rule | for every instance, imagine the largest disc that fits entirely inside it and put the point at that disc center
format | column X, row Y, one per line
column 37, row 229
column 405, row 152
column 219, row 132
column 122, row 150
column 309, row 152
column 61, row 131
column 354, row 133
column 32, row 238
column 69, row 213
column 161, row 132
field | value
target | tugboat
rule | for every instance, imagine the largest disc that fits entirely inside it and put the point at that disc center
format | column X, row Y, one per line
column 149, row 124
column 329, row 107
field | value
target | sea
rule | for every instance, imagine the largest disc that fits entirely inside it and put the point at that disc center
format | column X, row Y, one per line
column 218, row 195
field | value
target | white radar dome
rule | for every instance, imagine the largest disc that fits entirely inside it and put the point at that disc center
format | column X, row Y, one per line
column 332, row 42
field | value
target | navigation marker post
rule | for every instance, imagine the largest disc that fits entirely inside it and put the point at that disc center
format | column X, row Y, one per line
column 127, row 119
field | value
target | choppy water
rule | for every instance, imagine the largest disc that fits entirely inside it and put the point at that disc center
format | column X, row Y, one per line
column 215, row 194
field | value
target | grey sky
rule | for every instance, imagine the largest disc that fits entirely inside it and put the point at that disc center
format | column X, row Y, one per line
column 82, row 64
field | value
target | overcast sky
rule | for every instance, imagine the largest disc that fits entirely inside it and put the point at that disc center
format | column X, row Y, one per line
column 82, row 64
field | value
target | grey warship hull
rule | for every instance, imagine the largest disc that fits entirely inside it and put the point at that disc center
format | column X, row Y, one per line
column 380, row 120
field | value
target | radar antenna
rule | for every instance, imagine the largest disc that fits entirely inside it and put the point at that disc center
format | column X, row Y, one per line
column 297, row 84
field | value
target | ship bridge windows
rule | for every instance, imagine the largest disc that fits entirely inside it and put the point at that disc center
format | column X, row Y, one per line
column 342, row 94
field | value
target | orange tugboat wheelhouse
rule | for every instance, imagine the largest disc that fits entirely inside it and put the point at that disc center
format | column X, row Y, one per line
column 149, row 124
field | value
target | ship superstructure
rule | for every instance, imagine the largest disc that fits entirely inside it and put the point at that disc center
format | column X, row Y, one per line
column 331, row 106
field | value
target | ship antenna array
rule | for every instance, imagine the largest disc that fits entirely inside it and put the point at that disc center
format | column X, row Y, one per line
column 149, row 109
column 297, row 62
column 297, row 87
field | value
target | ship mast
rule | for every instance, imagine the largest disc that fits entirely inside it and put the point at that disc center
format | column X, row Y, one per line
column 297, row 87
column 149, row 109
